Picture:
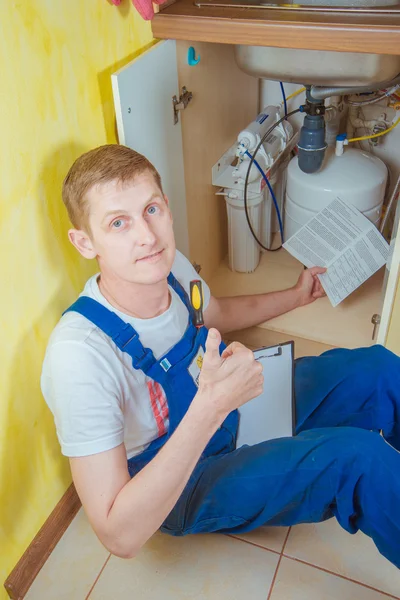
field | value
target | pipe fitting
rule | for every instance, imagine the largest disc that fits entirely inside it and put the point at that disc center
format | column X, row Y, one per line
column 312, row 143
column 341, row 142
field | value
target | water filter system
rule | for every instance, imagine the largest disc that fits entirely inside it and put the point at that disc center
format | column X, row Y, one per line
column 268, row 190
column 253, row 188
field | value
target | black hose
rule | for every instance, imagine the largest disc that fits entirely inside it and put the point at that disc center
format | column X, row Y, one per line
column 246, row 181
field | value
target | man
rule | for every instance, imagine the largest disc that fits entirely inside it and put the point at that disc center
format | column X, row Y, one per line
column 147, row 448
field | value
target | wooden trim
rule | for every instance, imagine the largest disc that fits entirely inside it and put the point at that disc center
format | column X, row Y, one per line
column 280, row 29
column 159, row 7
column 39, row 550
column 165, row 5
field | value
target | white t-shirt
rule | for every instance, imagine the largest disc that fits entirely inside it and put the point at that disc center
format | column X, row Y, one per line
column 97, row 398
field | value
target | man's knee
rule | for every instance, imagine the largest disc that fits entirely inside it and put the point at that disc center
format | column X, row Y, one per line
column 374, row 364
column 347, row 444
column 362, row 442
column 380, row 357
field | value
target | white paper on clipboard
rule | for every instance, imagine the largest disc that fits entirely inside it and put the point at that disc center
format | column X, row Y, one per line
column 272, row 414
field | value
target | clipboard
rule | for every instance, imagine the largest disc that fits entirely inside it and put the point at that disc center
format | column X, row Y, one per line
column 272, row 414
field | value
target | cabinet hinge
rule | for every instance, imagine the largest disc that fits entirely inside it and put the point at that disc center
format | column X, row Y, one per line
column 181, row 104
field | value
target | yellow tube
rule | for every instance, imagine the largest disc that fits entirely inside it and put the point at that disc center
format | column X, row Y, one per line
column 375, row 135
column 303, row 89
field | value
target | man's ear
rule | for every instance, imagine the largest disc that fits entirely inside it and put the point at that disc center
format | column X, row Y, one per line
column 82, row 243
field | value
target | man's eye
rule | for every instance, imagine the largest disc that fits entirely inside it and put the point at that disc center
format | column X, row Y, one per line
column 117, row 224
column 152, row 209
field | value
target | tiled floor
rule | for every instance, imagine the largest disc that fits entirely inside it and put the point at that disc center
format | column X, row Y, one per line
column 307, row 562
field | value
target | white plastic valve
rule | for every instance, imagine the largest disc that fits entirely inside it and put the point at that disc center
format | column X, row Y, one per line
column 340, row 144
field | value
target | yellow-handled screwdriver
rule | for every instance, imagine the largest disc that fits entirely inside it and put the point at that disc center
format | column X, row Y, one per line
column 196, row 300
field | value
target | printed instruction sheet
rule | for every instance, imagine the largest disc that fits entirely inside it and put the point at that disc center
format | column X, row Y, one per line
column 342, row 239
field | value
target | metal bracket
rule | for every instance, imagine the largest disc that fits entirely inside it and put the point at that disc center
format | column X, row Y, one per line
column 181, row 104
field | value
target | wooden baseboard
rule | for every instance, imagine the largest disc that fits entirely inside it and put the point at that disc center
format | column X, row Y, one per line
column 22, row 576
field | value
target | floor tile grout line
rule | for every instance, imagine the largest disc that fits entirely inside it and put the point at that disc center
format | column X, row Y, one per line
column 252, row 544
column 232, row 536
column 98, row 576
column 274, row 577
column 304, row 562
column 278, row 565
column 283, row 555
column 286, row 539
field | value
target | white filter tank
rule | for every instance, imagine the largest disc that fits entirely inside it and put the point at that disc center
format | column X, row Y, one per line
column 244, row 252
column 356, row 177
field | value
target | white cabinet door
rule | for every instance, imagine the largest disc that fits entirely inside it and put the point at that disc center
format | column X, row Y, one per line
column 143, row 92
column 390, row 283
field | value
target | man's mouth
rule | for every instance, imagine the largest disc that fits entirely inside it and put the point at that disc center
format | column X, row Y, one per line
column 151, row 257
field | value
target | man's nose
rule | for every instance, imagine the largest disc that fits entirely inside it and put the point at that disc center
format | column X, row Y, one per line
column 145, row 235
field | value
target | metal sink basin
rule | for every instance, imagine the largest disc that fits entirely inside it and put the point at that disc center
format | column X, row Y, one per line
column 316, row 67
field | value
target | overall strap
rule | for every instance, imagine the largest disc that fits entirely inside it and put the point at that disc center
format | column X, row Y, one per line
column 174, row 283
column 123, row 334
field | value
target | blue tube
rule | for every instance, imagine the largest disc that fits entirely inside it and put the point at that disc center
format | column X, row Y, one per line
column 284, row 98
column 271, row 192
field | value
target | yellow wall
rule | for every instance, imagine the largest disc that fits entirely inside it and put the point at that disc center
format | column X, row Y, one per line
column 55, row 103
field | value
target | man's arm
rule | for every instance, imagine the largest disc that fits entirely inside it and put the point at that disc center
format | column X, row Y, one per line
column 126, row 512
column 238, row 312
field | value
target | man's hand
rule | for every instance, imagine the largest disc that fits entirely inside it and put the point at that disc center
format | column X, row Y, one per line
column 309, row 287
column 228, row 381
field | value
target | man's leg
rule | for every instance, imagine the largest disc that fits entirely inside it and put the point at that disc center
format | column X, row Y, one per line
column 355, row 388
column 345, row 472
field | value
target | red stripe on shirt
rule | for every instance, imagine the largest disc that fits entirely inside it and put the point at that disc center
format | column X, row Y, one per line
column 155, row 408
column 162, row 400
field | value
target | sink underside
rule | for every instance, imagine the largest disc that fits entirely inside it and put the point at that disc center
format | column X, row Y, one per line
column 316, row 67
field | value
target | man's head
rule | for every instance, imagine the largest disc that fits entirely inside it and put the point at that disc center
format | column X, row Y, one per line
column 120, row 214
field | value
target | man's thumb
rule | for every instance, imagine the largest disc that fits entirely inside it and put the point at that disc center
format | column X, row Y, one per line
column 213, row 342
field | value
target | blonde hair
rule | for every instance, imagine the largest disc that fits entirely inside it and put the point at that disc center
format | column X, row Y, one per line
column 104, row 164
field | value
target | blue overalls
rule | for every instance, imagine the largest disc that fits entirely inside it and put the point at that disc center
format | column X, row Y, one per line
column 337, row 465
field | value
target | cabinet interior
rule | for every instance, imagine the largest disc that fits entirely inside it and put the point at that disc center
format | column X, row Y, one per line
column 224, row 101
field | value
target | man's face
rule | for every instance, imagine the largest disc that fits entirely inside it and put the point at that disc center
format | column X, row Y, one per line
column 131, row 230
